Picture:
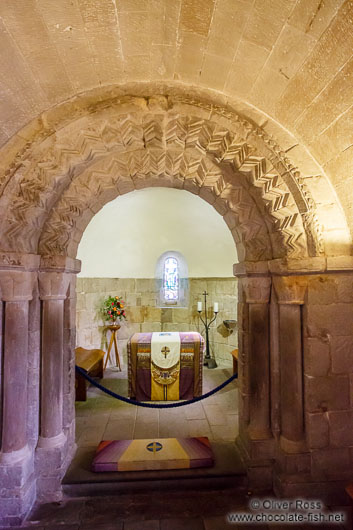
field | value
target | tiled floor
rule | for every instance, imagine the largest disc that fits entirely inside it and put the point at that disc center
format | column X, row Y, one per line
column 104, row 418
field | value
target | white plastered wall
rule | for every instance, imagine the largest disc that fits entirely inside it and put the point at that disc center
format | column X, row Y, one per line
column 127, row 236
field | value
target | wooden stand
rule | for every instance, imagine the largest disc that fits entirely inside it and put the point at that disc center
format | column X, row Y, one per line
column 113, row 328
column 234, row 354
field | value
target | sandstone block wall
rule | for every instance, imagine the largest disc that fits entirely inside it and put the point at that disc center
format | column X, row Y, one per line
column 298, row 407
column 143, row 313
column 328, row 375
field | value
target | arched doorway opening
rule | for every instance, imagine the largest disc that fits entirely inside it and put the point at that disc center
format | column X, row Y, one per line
column 151, row 221
column 57, row 185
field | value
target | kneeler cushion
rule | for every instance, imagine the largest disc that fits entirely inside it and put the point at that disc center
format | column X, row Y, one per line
column 152, row 454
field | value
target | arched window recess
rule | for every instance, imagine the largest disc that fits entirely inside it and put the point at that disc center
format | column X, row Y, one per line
column 172, row 280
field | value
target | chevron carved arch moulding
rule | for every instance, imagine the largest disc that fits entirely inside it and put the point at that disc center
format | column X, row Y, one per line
column 64, row 179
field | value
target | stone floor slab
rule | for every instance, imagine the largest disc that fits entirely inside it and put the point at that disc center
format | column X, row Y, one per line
column 145, row 430
column 142, row 525
column 124, row 420
column 217, row 523
column 182, row 524
column 105, row 525
column 65, row 512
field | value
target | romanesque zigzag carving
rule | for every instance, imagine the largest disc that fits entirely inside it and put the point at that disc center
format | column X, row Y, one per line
column 97, row 180
column 295, row 241
column 253, row 228
column 86, row 147
column 212, row 139
column 189, row 166
column 153, row 134
column 175, row 133
column 173, row 162
column 277, row 201
column 111, row 135
column 248, row 130
column 131, row 133
column 194, row 127
column 210, row 176
column 314, row 233
column 14, row 233
column 233, row 196
column 203, row 172
column 258, row 249
column 126, row 130
column 240, row 203
column 254, row 168
column 197, row 149
column 236, row 154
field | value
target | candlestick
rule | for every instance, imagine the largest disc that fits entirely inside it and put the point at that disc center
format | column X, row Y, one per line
column 209, row 361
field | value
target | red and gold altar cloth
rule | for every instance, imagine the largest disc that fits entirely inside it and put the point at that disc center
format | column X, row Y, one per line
column 186, row 377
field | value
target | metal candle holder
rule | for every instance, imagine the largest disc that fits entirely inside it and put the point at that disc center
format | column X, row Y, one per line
column 208, row 360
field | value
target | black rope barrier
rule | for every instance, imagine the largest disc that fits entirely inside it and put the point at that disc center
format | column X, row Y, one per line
column 83, row 372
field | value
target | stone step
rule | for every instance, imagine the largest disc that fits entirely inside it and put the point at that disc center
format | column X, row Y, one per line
column 228, row 472
column 94, row 489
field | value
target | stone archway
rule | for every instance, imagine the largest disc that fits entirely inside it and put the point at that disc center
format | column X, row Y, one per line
column 52, row 191
column 227, row 158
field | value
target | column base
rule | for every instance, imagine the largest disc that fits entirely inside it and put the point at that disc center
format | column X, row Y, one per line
column 259, row 464
column 52, row 442
column 259, row 445
column 53, row 456
column 19, row 486
column 15, row 457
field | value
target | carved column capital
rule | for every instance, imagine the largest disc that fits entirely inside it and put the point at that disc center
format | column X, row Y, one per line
column 290, row 289
column 60, row 264
column 256, row 289
column 53, row 285
column 19, row 261
column 16, row 285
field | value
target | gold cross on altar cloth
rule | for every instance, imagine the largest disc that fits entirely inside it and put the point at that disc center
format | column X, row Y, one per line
column 154, row 447
column 165, row 350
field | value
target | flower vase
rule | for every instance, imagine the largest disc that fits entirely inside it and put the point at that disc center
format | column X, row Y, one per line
column 113, row 323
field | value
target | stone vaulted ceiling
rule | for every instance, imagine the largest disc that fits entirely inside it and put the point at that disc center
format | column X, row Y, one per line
column 286, row 65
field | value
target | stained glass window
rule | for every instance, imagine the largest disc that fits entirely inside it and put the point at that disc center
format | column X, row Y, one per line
column 171, row 279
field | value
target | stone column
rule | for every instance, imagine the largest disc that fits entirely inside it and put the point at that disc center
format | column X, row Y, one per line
column 69, row 361
column 55, row 445
column 243, row 365
column 275, row 366
column 257, row 295
column 16, row 291
column 53, row 288
column 290, row 292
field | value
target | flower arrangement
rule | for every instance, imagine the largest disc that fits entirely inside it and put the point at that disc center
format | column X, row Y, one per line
column 113, row 309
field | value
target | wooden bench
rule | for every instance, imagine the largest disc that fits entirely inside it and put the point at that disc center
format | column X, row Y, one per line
column 234, row 354
column 92, row 362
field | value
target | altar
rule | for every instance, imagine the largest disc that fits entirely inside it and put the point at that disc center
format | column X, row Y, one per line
column 177, row 375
